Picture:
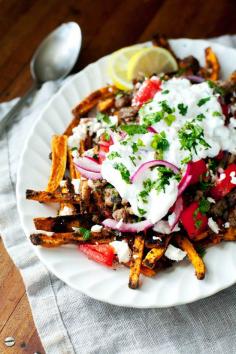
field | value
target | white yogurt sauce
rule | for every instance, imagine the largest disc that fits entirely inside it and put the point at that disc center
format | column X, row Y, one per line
column 203, row 111
column 122, row 250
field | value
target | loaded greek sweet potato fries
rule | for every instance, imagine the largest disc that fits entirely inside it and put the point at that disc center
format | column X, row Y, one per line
column 146, row 177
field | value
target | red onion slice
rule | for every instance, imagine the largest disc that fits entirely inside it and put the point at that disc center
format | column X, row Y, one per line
column 152, row 163
column 127, row 227
column 195, row 78
column 86, row 163
column 88, row 174
column 151, row 129
column 185, row 181
column 178, row 208
column 91, row 159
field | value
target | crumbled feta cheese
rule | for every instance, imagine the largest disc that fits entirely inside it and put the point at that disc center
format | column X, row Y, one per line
column 213, row 225
column 233, row 178
column 227, row 225
column 63, row 183
column 96, row 228
column 222, row 176
column 164, row 228
column 156, row 238
column 66, row 211
column 174, row 253
column 211, row 200
column 47, row 233
column 122, row 250
column 76, row 184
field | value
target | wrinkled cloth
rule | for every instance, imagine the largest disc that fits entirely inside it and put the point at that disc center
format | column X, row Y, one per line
column 69, row 322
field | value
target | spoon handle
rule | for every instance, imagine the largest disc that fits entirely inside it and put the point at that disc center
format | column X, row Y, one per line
column 15, row 110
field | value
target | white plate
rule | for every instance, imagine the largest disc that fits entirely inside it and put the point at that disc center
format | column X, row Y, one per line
column 171, row 287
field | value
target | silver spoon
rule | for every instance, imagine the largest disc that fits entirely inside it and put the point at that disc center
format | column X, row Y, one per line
column 53, row 60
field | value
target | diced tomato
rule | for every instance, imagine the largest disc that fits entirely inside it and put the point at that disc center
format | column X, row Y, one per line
column 224, row 186
column 147, row 91
column 193, row 220
column 197, row 169
column 99, row 253
column 104, row 146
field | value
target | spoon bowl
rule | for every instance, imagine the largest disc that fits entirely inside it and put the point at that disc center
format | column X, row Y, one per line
column 57, row 54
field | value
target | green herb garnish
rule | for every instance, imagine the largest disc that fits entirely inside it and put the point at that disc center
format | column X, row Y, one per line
column 74, row 149
column 151, row 119
column 216, row 89
column 102, row 117
column 123, row 171
column 84, row 232
column 132, row 158
column 166, row 108
column 113, row 155
column 141, row 211
column 204, row 206
column 164, row 176
column 160, row 143
column 198, row 224
column 202, row 101
column 134, row 147
column 133, row 129
column 190, row 135
column 200, row 250
column 182, row 109
column 216, row 114
column 169, row 119
column 165, row 92
column 200, row 117
column 106, row 136
column 186, row 160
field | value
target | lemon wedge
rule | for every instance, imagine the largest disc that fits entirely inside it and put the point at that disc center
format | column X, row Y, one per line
column 148, row 61
column 118, row 65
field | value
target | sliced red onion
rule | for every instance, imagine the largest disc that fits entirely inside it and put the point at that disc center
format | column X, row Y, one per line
column 152, row 163
column 178, row 208
column 91, row 158
column 185, row 180
column 88, row 164
column 88, row 174
column 195, row 78
column 151, row 130
column 127, row 227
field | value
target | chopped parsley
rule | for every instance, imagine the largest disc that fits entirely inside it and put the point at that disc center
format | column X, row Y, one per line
column 198, row 224
column 202, row 101
column 84, row 232
column 204, row 206
column 165, row 92
column 133, row 129
column 141, row 211
column 144, row 195
column 166, row 108
column 113, row 155
column 216, row 89
column 186, row 160
column 205, row 185
column 119, row 94
column 140, row 142
column 106, row 136
column 169, row 119
column 134, row 147
column 164, row 176
column 102, row 117
column 200, row 250
column 132, row 158
column 216, row 114
column 123, row 171
column 190, row 135
column 74, row 149
column 200, row 117
column 182, row 109
column 147, row 185
column 153, row 118
column 160, row 143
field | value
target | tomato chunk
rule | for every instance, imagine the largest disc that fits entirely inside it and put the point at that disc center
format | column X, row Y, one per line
column 193, row 220
column 103, row 254
column 224, row 185
column 104, row 146
column 147, row 91
column 197, row 169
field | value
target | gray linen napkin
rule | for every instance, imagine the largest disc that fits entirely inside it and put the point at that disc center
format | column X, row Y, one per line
column 69, row 322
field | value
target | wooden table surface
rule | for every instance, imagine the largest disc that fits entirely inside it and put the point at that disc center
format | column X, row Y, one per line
column 106, row 25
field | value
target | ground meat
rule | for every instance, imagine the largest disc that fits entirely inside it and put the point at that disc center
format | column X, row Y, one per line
column 111, row 197
column 123, row 101
column 218, row 209
column 232, row 218
column 231, row 198
column 190, row 65
column 120, row 214
column 128, row 113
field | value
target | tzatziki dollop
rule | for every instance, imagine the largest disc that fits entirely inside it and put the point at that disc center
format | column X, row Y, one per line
column 189, row 126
